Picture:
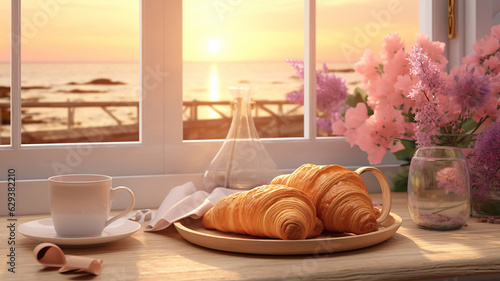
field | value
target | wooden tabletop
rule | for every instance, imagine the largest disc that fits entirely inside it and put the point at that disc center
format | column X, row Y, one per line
column 412, row 253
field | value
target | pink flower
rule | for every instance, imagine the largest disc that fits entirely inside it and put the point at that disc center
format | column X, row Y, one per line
column 392, row 45
column 413, row 98
column 486, row 46
column 368, row 67
column 402, row 89
column 397, row 65
column 433, row 49
column 383, row 88
column 374, row 134
column 470, row 59
column 387, row 123
column 495, row 31
column 356, row 116
column 489, row 65
column 489, row 111
column 338, row 128
column 376, row 153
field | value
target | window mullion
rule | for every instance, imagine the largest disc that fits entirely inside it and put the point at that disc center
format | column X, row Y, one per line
column 15, row 65
column 310, row 69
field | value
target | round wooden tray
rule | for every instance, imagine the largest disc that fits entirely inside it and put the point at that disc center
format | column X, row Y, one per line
column 194, row 232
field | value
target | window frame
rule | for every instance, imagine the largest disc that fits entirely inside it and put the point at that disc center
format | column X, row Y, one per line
column 125, row 158
column 288, row 153
column 161, row 149
column 472, row 23
column 162, row 159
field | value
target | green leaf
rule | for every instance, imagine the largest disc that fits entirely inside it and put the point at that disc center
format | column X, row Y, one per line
column 407, row 153
column 358, row 96
column 469, row 125
column 400, row 181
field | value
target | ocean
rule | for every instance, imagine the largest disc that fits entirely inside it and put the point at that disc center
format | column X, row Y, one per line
column 203, row 81
column 209, row 81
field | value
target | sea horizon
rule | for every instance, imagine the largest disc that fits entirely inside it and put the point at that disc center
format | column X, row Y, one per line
column 112, row 82
column 201, row 80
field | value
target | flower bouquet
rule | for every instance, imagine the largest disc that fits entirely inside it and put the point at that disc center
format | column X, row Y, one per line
column 409, row 101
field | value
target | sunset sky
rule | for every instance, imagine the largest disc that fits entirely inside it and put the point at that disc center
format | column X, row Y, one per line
column 246, row 30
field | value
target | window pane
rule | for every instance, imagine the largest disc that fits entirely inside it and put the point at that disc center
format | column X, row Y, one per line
column 5, row 73
column 241, row 43
column 80, row 71
column 343, row 38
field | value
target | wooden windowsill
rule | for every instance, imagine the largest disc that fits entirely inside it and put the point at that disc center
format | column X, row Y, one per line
column 412, row 253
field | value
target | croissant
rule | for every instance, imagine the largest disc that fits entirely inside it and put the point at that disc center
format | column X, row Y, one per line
column 267, row 211
column 340, row 196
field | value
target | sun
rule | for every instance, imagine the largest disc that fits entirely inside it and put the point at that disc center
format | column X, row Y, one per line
column 214, row 46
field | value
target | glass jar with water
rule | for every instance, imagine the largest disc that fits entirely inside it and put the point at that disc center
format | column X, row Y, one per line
column 439, row 188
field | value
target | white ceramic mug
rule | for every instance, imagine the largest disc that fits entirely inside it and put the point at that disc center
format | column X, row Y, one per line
column 80, row 204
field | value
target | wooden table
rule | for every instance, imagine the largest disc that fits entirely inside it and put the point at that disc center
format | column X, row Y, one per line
column 412, row 253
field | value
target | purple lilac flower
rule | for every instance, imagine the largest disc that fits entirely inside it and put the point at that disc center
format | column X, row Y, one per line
column 485, row 161
column 428, row 120
column 296, row 97
column 298, row 65
column 331, row 93
column 471, row 90
column 428, row 117
column 423, row 69
column 324, row 124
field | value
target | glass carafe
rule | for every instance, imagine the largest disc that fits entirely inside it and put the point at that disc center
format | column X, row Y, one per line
column 438, row 188
column 242, row 162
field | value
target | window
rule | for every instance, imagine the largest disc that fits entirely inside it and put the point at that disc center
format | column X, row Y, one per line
column 237, row 43
column 162, row 158
column 162, row 150
column 79, row 73
column 37, row 161
column 343, row 38
column 287, row 152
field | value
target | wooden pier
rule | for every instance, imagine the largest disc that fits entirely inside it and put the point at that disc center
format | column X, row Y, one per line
column 73, row 133
column 272, row 119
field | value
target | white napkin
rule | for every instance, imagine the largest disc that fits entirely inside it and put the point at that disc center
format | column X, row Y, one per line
column 186, row 201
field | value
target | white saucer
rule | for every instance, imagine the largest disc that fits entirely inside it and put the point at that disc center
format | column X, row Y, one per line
column 43, row 231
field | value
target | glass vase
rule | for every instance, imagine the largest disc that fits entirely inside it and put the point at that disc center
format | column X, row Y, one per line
column 439, row 188
column 485, row 196
column 463, row 141
column 242, row 162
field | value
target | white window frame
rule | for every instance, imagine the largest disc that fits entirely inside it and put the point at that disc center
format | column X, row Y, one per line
column 473, row 21
column 162, row 159
column 288, row 153
column 134, row 158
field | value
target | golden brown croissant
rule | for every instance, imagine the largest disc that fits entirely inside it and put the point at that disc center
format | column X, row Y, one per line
column 340, row 196
column 266, row 211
